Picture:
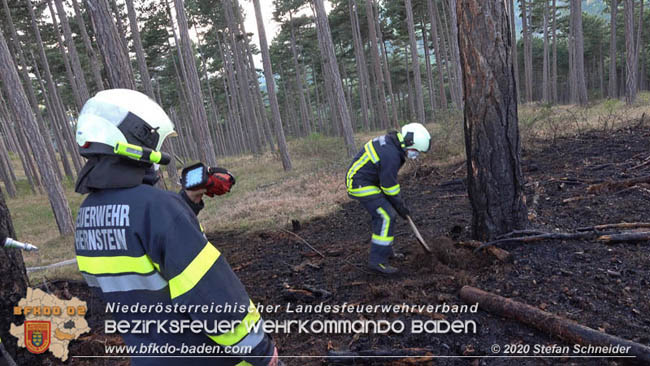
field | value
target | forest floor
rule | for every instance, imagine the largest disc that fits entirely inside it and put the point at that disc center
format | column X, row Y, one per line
column 601, row 286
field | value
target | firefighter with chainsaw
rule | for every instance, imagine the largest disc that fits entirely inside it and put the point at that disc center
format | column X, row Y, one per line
column 372, row 180
column 139, row 245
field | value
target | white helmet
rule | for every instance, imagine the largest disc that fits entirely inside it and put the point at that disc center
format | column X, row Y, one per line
column 121, row 116
column 416, row 137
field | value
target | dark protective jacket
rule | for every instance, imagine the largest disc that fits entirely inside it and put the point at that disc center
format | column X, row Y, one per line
column 374, row 169
column 144, row 246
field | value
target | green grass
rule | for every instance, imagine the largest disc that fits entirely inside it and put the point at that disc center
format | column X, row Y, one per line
column 267, row 198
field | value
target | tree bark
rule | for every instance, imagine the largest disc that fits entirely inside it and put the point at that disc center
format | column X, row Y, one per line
column 79, row 77
column 453, row 23
column 66, row 59
column 427, row 58
column 554, row 64
column 327, row 53
column 22, row 60
column 300, row 85
column 205, row 145
column 139, row 52
column 528, row 52
column 579, row 57
column 453, row 72
column 270, row 87
column 6, row 170
column 13, row 283
column 21, row 109
column 116, row 60
column 362, row 67
column 433, row 11
column 546, row 96
column 515, row 57
column 415, row 63
column 381, row 107
column 612, row 91
column 92, row 56
column 19, row 148
column 495, row 180
column 234, row 36
column 54, row 125
column 121, row 30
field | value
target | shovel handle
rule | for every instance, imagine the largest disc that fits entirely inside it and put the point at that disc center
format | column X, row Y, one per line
column 417, row 235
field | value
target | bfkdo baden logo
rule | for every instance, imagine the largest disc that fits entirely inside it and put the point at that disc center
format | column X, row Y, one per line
column 37, row 335
column 50, row 323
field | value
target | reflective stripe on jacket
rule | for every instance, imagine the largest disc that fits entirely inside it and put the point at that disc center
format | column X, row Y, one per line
column 374, row 169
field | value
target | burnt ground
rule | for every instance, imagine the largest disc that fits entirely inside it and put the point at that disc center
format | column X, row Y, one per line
column 605, row 287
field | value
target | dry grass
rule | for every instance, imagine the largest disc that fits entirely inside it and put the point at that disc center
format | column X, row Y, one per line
column 267, row 198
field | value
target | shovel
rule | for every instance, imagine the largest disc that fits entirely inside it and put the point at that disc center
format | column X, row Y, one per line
column 418, row 236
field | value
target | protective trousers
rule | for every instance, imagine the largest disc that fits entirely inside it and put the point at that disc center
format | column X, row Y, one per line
column 383, row 220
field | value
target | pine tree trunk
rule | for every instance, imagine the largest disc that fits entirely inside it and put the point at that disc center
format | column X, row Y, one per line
column 515, row 57
column 21, row 109
column 389, row 81
column 262, row 124
column 19, row 148
column 66, row 59
column 270, row 87
column 630, row 71
column 433, row 11
column 60, row 142
column 495, row 181
column 528, row 52
column 121, row 29
column 139, row 52
column 579, row 58
column 13, row 287
column 637, row 48
column 362, row 67
column 195, row 97
column 381, row 106
column 456, row 93
column 116, row 60
column 573, row 79
column 427, row 59
column 546, row 97
column 79, row 77
column 306, row 121
column 453, row 23
column 22, row 60
column 415, row 63
column 612, row 90
column 92, row 56
column 329, row 58
column 554, row 64
column 242, row 78
column 6, row 170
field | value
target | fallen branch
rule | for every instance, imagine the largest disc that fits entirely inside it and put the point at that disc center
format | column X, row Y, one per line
column 612, row 186
column 622, row 225
column 520, row 233
column 501, row 254
column 413, row 355
column 565, row 329
column 305, row 242
column 621, row 237
column 538, row 237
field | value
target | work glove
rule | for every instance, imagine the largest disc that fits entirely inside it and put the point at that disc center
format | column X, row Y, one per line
column 402, row 210
column 219, row 182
